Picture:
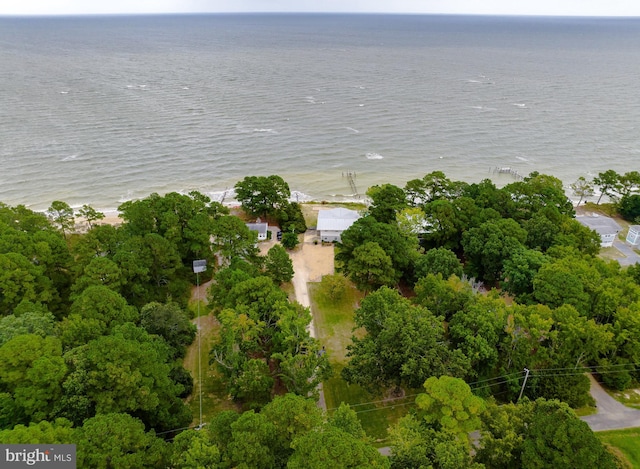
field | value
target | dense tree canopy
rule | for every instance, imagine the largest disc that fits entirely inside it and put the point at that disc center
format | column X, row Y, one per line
column 262, row 195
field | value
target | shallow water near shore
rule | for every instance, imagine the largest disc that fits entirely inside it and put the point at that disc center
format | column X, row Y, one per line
column 102, row 110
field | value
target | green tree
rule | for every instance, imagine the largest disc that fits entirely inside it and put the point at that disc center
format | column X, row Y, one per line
column 332, row 447
column 252, row 443
column 582, row 188
column 346, row 419
column 194, row 450
column 183, row 220
column 556, row 438
column 150, row 265
column 124, row 372
column 477, row 330
column 433, row 186
column 574, row 234
column 489, row 245
column 520, row 270
column 609, row 184
column 32, row 372
column 94, row 313
column 253, row 383
column 170, row 322
column 566, row 281
column 291, row 416
column 448, row 404
column 90, row 214
column 232, row 238
column 438, row 261
column 61, row 214
column 404, row 344
column 119, row 440
column 334, row 287
column 100, row 271
column 536, row 192
column 59, row 431
column 400, row 248
column 386, row 202
column 443, row 297
column 37, row 321
column 278, row 265
column 503, row 433
column 414, row 444
column 290, row 240
column 370, row 267
column 542, row 230
column 291, row 218
column 629, row 207
column 20, row 280
column 629, row 183
column 262, row 195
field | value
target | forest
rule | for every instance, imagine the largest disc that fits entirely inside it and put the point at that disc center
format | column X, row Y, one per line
column 464, row 287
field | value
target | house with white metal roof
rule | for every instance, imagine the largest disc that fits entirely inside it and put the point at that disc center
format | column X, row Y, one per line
column 331, row 223
column 606, row 227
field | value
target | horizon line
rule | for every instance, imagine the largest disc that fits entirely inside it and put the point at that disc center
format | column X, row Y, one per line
column 372, row 13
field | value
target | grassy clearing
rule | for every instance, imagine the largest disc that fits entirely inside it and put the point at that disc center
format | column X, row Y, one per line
column 214, row 396
column 585, row 410
column 334, row 327
column 376, row 413
column 198, row 306
column 625, row 443
column 611, row 253
column 334, row 320
column 630, row 397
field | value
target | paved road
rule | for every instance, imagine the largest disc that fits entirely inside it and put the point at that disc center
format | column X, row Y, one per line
column 631, row 256
column 612, row 415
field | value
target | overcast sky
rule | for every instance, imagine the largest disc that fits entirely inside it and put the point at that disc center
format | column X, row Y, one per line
column 491, row 7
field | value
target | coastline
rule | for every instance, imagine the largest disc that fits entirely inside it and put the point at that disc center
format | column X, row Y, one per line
column 226, row 197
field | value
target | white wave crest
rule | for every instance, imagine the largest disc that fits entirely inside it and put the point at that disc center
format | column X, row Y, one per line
column 374, row 156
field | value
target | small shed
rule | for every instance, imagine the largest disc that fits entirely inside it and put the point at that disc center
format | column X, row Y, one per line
column 260, row 228
column 606, row 227
column 633, row 236
column 331, row 223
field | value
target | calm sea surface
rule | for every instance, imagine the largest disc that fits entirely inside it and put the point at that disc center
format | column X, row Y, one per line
column 100, row 110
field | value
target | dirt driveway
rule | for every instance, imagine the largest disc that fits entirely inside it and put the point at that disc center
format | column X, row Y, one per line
column 310, row 262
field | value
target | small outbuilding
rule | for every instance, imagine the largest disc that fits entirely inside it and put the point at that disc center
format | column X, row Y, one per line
column 606, row 227
column 331, row 223
column 260, row 228
column 633, row 236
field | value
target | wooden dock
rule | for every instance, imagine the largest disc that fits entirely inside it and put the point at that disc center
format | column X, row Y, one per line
column 507, row 170
column 351, row 178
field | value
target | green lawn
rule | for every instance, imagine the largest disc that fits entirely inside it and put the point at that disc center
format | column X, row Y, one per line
column 626, row 442
column 630, row 397
column 214, row 396
column 334, row 328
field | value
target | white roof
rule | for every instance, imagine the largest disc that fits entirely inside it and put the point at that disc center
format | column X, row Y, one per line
column 336, row 219
column 601, row 225
column 259, row 227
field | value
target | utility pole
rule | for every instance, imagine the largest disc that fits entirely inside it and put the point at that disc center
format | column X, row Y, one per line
column 199, row 266
column 524, row 383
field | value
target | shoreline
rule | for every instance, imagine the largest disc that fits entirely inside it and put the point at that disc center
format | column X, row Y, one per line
column 226, row 197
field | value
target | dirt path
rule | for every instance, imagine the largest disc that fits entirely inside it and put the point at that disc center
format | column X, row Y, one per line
column 612, row 415
column 310, row 262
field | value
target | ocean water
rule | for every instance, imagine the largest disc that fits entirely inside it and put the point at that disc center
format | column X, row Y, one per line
column 100, row 110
